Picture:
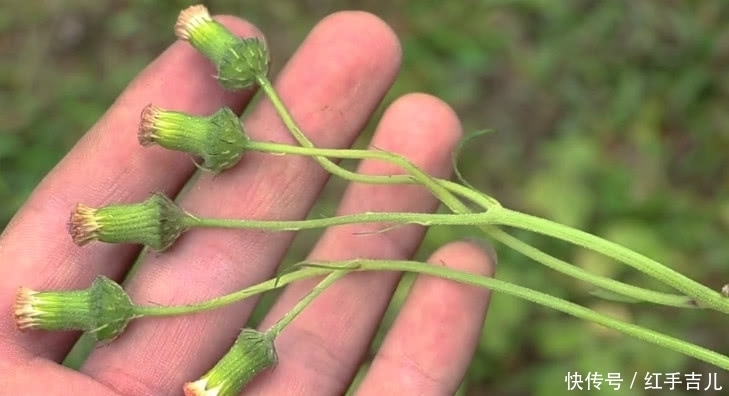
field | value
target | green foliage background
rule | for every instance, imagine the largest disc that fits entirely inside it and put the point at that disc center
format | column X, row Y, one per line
column 610, row 116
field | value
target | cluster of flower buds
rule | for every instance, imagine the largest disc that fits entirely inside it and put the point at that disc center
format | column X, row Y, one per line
column 219, row 140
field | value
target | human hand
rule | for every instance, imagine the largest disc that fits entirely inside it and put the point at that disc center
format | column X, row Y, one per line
column 331, row 85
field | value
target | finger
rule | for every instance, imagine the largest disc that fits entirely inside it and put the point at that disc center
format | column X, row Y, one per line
column 321, row 349
column 107, row 165
column 429, row 347
column 331, row 85
column 56, row 380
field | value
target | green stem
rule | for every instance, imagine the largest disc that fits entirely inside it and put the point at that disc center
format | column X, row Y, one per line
column 425, row 219
column 323, row 155
column 429, row 219
column 508, row 217
column 218, row 302
column 313, row 269
column 623, row 289
column 457, row 206
column 691, row 288
column 420, row 177
column 276, row 329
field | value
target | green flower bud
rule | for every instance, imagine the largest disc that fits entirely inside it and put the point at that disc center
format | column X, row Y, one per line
column 103, row 310
column 219, row 139
column 239, row 61
column 156, row 222
column 252, row 353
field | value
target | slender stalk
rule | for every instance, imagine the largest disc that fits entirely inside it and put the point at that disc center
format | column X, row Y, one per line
column 515, row 219
column 693, row 289
column 313, row 269
column 425, row 219
column 240, row 295
column 623, row 289
column 321, row 154
column 420, row 177
column 277, row 328
column 429, row 219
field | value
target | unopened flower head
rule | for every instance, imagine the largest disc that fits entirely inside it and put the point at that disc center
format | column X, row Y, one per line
column 252, row 353
column 26, row 312
column 219, row 139
column 156, row 222
column 195, row 18
column 103, row 310
column 240, row 62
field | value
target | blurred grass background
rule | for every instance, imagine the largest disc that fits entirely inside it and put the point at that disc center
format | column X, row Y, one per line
column 610, row 116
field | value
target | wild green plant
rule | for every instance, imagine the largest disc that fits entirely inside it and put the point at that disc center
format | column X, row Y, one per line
column 219, row 141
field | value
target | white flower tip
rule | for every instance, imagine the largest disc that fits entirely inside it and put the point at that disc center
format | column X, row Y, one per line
column 199, row 388
column 23, row 310
column 83, row 225
column 147, row 125
column 189, row 19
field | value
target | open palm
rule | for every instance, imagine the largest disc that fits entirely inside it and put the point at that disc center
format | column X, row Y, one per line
column 332, row 85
